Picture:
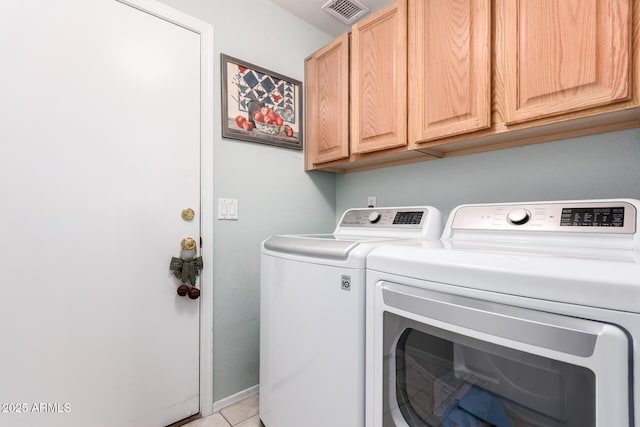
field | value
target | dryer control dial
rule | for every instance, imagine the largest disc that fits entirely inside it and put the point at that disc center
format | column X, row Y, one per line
column 518, row 216
column 374, row 217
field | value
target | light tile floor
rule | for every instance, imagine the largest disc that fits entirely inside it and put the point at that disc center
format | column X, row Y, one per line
column 241, row 414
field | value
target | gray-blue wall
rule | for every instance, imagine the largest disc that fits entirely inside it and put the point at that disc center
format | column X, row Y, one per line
column 598, row 166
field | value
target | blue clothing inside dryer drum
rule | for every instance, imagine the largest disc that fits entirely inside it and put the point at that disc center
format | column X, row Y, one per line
column 457, row 417
column 476, row 408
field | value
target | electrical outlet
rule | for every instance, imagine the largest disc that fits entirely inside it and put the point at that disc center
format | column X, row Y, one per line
column 371, row 201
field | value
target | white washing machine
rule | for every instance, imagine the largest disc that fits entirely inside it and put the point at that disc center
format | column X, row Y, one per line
column 529, row 315
column 312, row 320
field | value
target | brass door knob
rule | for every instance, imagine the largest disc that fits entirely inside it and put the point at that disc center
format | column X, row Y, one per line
column 188, row 214
column 188, row 244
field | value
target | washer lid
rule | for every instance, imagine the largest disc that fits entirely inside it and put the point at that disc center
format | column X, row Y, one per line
column 359, row 226
column 317, row 245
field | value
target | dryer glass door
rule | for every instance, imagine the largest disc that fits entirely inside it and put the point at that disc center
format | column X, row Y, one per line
column 455, row 361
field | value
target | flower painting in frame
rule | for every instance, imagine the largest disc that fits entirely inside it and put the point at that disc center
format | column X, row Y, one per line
column 259, row 105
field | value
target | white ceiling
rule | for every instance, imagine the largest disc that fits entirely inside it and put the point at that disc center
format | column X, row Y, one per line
column 311, row 11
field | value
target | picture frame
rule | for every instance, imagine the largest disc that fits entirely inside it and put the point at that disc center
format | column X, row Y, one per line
column 259, row 105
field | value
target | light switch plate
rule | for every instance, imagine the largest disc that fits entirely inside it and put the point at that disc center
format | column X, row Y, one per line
column 228, row 209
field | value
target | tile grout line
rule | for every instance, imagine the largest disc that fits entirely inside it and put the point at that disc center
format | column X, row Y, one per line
column 225, row 418
column 239, row 422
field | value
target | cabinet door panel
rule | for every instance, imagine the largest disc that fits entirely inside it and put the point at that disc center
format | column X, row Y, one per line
column 379, row 80
column 449, row 68
column 565, row 55
column 327, row 75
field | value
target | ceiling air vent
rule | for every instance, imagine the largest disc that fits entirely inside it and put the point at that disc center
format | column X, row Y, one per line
column 347, row 11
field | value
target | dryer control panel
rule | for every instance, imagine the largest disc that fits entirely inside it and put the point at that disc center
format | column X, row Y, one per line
column 617, row 217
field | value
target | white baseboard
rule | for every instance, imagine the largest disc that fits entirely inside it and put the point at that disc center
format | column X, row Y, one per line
column 228, row 401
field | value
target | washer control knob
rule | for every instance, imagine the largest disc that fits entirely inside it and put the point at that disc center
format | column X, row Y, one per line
column 374, row 217
column 518, row 216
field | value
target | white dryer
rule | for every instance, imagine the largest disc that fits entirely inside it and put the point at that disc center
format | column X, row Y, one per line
column 312, row 320
column 529, row 315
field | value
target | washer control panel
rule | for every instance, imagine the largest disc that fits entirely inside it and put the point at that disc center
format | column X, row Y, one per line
column 384, row 218
column 588, row 217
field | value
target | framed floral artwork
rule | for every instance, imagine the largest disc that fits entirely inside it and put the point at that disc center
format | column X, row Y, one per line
column 259, row 105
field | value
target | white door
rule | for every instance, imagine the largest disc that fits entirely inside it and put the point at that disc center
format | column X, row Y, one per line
column 99, row 153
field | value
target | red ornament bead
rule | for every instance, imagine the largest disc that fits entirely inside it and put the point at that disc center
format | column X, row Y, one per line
column 194, row 292
column 183, row 290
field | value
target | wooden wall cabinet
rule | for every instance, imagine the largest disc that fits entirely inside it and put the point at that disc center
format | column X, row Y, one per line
column 560, row 69
column 377, row 93
column 449, row 68
column 561, row 56
column 379, row 80
column 327, row 104
column 484, row 75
